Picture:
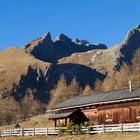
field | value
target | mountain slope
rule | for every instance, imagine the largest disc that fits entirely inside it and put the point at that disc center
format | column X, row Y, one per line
column 109, row 60
column 14, row 63
column 46, row 71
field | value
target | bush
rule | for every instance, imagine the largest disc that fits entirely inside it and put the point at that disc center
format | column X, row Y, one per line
column 61, row 128
column 70, row 128
column 74, row 128
column 78, row 129
column 87, row 124
column 61, row 125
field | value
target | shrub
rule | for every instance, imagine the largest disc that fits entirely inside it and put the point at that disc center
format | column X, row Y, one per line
column 70, row 128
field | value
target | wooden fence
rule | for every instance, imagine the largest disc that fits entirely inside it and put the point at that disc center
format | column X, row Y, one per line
column 57, row 130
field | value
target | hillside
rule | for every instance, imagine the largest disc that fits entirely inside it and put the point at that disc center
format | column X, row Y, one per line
column 45, row 72
column 112, row 58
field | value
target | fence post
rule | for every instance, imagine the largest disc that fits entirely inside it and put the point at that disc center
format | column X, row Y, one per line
column 121, row 127
column 59, row 130
column 46, row 131
column 33, row 131
column 103, row 128
column 11, row 132
column 87, row 130
column 21, row 131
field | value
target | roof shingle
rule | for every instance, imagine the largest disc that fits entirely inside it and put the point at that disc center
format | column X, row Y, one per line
column 117, row 95
column 60, row 115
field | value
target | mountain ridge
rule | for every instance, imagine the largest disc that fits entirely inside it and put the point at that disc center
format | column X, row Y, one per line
column 47, row 50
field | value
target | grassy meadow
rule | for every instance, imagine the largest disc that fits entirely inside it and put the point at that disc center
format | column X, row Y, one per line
column 106, row 136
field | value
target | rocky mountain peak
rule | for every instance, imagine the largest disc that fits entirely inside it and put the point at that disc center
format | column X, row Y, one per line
column 81, row 42
column 47, row 50
column 46, row 37
column 133, row 36
column 63, row 38
column 129, row 47
column 45, row 40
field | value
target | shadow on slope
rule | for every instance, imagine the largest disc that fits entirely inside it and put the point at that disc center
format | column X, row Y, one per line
column 40, row 84
column 82, row 74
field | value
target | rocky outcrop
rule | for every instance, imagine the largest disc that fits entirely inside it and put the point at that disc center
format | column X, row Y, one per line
column 81, row 42
column 129, row 46
column 51, row 51
column 40, row 48
column 63, row 38
column 109, row 60
column 133, row 37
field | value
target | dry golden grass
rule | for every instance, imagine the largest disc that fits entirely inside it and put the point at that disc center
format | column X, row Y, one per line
column 47, row 123
column 31, row 124
column 101, row 60
column 14, row 63
column 79, row 58
column 106, row 136
column 35, row 42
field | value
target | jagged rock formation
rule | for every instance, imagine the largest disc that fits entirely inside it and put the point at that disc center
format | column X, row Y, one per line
column 129, row 46
column 51, row 51
column 109, row 60
column 41, row 47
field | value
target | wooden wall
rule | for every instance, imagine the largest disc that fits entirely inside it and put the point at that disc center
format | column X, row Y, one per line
column 114, row 113
column 105, row 114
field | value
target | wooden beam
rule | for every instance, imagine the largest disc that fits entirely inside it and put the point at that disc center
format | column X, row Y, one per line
column 55, row 122
column 65, row 121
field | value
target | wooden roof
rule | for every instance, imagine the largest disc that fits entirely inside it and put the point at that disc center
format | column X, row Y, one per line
column 100, row 98
column 61, row 115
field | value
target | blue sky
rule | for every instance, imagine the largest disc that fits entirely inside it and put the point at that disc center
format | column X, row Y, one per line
column 98, row 21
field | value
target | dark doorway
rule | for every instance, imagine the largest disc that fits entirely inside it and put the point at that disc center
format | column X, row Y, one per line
column 78, row 117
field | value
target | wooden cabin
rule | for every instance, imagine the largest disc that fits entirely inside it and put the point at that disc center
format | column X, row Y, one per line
column 120, row 106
